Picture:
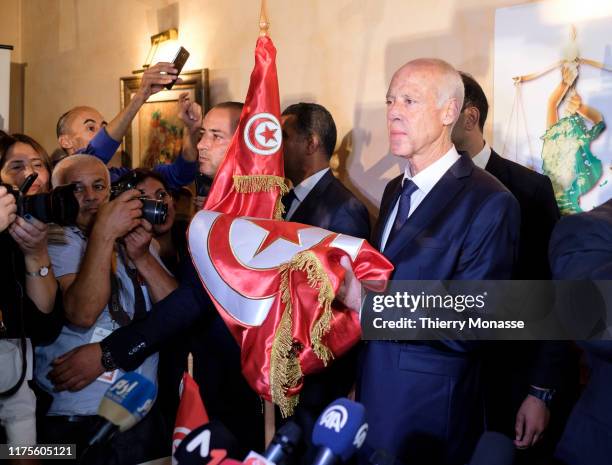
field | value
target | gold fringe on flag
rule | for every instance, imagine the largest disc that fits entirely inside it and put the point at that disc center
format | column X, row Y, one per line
column 285, row 370
column 250, row 184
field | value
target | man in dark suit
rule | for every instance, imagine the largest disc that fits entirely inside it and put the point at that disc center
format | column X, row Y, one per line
column 581, row 248
column 319, row 199
column 445, row 219
column 520, row 377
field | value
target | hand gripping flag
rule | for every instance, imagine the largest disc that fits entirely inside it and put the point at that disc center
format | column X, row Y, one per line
column 251, row 178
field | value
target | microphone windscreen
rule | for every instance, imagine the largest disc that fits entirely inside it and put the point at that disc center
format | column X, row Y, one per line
column 207, row 443
column 341, row 428
column 128, row 400
column 493, row 449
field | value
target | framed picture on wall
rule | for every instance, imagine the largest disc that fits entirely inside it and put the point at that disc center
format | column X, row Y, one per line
column 155, row 135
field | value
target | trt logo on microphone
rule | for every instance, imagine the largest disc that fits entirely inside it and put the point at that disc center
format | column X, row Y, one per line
column 334, row 418
column 360, row 437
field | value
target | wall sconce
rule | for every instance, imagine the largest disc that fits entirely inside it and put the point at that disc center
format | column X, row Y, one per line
column 163, row 48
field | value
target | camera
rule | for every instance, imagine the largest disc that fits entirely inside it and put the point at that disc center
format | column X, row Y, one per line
column 154, row 211
column 59, row 206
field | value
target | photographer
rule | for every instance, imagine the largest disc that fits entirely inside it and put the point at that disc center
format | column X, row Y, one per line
column 109, row 275
column 28, row 289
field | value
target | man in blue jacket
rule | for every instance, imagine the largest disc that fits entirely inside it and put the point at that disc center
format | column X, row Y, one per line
column 84, row 130
column 442, row 219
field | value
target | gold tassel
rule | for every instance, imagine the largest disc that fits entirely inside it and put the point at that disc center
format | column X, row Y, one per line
column 259, row 183
column 285, row 370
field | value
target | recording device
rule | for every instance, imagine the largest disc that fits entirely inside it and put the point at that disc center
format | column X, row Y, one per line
column 339, row 432
column 493, row 449
column 211, row 442
column 124, row 404
column 179, row 61
column 154, row 211
column 59, row 206
column 284, row 443
column 202, row 184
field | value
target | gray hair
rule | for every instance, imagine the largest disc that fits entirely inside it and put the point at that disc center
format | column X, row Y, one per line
column 58, row 177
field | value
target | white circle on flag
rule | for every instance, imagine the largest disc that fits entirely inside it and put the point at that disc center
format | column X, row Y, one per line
column 263, row 134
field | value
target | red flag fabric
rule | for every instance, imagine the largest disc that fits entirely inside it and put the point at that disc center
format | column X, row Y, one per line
column 274, row 283
column 191, row 411
column 250, row 180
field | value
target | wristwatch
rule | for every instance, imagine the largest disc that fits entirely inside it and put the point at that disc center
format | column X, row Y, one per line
column 107, row 359
column 41, row 273
column 545, row 395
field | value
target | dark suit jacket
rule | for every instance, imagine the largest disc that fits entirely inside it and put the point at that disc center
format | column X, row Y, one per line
column 511, row 367
column 423, row 400
column 581, row 248
column 330, row 205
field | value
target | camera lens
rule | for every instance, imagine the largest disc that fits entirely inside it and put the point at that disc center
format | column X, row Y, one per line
column 154, row 211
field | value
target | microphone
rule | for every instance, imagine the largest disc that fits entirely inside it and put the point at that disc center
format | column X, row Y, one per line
column 339, row 432
column 493, row 449
column 284, row 443
column 124, row 404
column 208, row 443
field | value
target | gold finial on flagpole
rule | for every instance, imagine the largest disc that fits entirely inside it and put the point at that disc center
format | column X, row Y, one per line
column 264, row 25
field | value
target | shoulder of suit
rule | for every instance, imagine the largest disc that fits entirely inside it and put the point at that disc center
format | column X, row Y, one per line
column 341, row 192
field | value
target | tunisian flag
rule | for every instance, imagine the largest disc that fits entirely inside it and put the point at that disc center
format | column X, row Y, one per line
column 251, row 178
column 274, row 282
column 191, row 412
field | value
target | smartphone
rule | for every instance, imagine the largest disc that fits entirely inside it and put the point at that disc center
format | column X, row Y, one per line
column 202, row 184
column 179, row 61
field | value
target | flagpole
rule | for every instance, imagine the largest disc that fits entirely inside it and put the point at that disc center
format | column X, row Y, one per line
column 264, row 25
column 269, row 416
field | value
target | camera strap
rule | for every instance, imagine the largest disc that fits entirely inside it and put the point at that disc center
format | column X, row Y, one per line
column 117, row 312
column 24, row 348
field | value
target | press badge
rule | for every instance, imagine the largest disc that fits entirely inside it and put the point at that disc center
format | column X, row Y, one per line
column 99, row 334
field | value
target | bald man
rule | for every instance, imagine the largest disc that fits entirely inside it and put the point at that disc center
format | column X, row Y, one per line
column 442, row 219
column 83, row 129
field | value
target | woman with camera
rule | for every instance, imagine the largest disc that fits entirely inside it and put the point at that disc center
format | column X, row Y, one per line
column 28, row 288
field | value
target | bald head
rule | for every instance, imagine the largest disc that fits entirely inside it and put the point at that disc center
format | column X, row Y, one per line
column 446, row 78
column 423, row 103
column 64, row 171
column 76, row 128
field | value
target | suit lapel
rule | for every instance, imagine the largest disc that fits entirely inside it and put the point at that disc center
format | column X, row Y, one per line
column 432, row 205
column 309, row 204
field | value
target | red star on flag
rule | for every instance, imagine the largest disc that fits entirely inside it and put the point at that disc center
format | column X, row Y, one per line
column 269, row 133
column 287, row 231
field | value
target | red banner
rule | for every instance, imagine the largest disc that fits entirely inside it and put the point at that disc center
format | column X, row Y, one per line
column 191, row 412
column 250, row 180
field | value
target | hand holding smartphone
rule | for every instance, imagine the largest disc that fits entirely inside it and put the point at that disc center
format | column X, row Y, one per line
column 179, row 61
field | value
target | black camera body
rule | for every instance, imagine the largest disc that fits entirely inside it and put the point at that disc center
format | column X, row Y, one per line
column 154, row 211
column 59, row 206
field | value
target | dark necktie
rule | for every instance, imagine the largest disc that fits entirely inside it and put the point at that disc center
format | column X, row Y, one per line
column 287, row 200
column 408, row 187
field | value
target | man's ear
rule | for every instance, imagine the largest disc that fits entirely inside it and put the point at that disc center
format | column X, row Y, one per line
column 472, row 116
column 312, row 143
column 65, row 142
column 451, row 111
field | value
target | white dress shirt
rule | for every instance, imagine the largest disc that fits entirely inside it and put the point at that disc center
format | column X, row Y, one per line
column 302, row 190
column 482, row 158
column 425, row 181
